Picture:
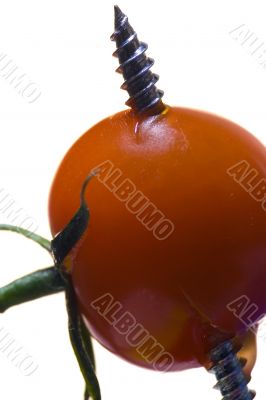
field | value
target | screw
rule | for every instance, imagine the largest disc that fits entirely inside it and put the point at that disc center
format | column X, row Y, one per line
column 227, row 368
column 135, row 68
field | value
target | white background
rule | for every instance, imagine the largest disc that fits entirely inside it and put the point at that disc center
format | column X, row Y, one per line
column 64, row 47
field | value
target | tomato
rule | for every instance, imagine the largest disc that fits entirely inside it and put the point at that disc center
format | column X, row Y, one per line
column 147, row 278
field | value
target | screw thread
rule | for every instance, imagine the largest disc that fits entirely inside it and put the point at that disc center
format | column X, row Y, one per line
column 135, row 68
column 227, row 368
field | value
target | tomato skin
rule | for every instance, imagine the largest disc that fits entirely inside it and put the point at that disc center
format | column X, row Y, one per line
column 216, row 253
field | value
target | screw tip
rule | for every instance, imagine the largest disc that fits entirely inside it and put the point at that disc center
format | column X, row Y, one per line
column 119, row 16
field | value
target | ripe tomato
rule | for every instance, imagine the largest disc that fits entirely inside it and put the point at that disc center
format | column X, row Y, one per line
column 143, row 285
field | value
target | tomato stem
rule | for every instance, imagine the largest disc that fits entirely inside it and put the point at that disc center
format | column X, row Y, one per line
column 81, row 343
column 30, row 287
column 28, row 234
column 86, row 337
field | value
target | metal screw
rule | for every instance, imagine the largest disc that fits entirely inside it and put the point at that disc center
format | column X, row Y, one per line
column 227, row 368
column 135, row 68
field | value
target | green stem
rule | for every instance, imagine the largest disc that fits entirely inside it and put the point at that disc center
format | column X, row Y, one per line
column 46, row 244
column 86, row 395
column 30, row 287
column 86, row 337
column 81, row 350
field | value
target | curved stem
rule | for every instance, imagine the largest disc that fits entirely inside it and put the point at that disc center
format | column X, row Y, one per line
column 30, row 287
column 28, row 234
column 80, row 348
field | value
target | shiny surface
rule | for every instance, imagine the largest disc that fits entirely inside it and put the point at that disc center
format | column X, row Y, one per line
column 135, row 66
column 179, row 161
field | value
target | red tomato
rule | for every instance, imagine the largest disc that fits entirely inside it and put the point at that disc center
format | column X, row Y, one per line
column 145, row 282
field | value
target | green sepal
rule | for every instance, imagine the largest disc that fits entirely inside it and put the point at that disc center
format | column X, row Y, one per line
column 66, row 240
